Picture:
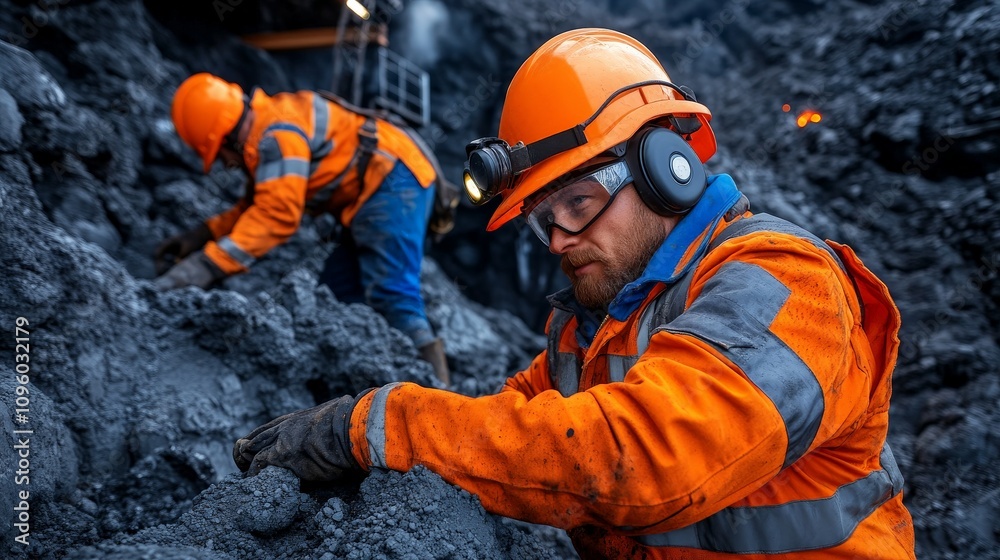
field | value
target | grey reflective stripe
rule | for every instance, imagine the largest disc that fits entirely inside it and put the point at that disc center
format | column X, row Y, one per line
column 790, row 527
column 386, row 155
column 675, row 299
column 273, row 164
column 646, row 326
column 321, row 122
column 265, row 150
column 774, row 224
column 733, row 306
column 563, row 369
column 670, row 304
column 375, row 428
column 234, row 250
column 319, row 146
column 618, row 366
column 889, row 464
column 665, row 308
column 284, row 167
column 567, row 374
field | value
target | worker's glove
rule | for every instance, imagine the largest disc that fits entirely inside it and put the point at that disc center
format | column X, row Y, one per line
column 314, row 443
column 179, row 246
column 196, row 270
column 442, row 219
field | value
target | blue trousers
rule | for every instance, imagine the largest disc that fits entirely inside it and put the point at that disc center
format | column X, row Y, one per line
column 377, row 261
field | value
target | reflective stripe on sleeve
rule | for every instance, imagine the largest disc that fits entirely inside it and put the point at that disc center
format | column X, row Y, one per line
column 321, row 122
column 273, row 164
column 793, row 526
column 734, row 306
column 889, row 464
column 286, row 166
column 375, row 428
column 319, row 146
column 287, row 127
column 564, row 371
column 234, row 251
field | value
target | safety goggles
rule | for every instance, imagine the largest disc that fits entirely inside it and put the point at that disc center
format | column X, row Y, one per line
column 576, row 206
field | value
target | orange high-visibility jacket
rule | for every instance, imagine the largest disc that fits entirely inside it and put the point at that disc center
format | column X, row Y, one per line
column 753, row 424
column 299, row 144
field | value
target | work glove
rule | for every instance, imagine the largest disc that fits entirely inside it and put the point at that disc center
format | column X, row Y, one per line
column 314, row 443
column 196, row 270
column 179, row 246
column 442, row 219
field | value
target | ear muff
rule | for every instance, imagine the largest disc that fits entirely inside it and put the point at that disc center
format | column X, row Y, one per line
column 666, row 171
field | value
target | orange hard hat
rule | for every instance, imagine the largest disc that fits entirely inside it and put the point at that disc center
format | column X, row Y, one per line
column 565, row 82
column 206, row 108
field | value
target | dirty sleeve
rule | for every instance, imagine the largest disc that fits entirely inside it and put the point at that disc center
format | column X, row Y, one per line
column 281, row 180
column 754, row 376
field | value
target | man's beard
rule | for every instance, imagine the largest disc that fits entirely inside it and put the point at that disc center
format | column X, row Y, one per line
column 596, row 290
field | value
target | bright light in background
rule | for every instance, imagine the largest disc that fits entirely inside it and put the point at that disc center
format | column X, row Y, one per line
column 808, row 116
column 358, row 9
column 786, row 107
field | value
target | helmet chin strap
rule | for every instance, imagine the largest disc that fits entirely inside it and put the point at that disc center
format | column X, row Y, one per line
column 236, row 138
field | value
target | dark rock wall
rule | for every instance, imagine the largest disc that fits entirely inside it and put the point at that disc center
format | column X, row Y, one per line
column 136, row 396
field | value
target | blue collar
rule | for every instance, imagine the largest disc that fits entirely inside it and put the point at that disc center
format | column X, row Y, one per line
column 665, row 266
column 719, row 197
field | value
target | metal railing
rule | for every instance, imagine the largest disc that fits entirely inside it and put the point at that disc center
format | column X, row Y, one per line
column 403, row 88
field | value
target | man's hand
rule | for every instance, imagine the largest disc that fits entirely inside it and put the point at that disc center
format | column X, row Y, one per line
column 179, row 246
column 196, row 270
column 313, row 443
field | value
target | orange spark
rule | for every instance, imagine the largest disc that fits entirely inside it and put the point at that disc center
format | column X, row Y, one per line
column 808, row 116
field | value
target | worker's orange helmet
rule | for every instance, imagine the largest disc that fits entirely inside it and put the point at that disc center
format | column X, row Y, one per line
column 565, row 84
column 206, row 108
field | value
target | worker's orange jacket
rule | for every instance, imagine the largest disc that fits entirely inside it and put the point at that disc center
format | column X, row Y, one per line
column 302, row 152
column 751, row 424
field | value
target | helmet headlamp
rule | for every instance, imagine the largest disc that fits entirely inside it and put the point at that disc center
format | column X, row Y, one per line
column 492, row 164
